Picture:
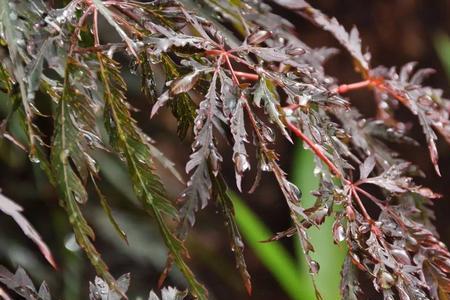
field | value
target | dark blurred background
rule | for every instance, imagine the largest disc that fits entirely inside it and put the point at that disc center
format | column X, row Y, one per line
column 395, row 32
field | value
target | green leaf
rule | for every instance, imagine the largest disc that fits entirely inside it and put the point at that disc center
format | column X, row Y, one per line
column 105, row 205
column 237, row 245
column 12, row 35
column 183, row 108
column 69, row 146
column 132, row 144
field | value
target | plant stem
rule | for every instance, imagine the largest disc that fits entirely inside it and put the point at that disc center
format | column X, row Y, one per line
column 345, row 88
column 316, row 150
column 248, row 76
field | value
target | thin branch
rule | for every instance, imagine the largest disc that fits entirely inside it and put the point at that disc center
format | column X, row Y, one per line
column 360, row 204
column 317, row 151
column 345, row 88
column 248, row 76
column 76, row 32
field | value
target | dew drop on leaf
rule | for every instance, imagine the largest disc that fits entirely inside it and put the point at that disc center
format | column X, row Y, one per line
column 241, row 162
column 314, row 267
column 13, row 16
column 295, row 51
column 34, row 159
column 385, row 280
column 295, row 191
column 265, row 166
column 258, row 37
column 268, row 133
column 401, row 256
column 364, row 228
column 339, row 234
column 63, row 155
column 71, row 244
column 238, row 241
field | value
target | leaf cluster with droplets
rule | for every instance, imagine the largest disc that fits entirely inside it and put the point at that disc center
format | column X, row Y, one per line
column 250, row 84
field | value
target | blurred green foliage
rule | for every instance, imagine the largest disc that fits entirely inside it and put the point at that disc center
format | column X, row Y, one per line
column 442, row 45
column 294, row 277
column 273, row 255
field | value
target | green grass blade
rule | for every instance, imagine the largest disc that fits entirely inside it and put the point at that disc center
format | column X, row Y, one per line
column 442, row 45
column 329, row 256
column 274, row 256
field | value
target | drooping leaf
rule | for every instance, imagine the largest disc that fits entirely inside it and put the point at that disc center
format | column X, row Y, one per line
column 8, row 18
column 350, row 288
column 395, row 181
column 107, row 208
column 128, row 140
column 236, row 242
column 22, row 285
column 240, row 156
column 9, row 207
column 425, row 102
column 350, row 40
column 108, row 15
column 205, row 160
column 74, row 123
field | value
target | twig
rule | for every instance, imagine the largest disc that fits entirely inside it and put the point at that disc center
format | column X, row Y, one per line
column 345, row 88
column 317, row 151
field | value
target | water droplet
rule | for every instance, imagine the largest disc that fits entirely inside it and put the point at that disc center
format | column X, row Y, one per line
column 320, row 214
column 215, row 162
column 21, row 42
column 78, row 198
column 350, row 213
column 70, row 243
column 13, row 16
column 91, row 163
column 33, row 158
column 385, row 280
column 63, row 155
column 239, row 243
column 198, row 123
column 241, row 162
column 295, row 191
column 401, row 256
column 268, row 133
column 355, row 257
column 295, row 51
column 314, row 267
column 339, row 234
column 258, row 37
column 317, row 170
column 264, row 165
column 364, row 228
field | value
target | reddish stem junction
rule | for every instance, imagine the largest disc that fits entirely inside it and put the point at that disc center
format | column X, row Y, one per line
column 353, row 187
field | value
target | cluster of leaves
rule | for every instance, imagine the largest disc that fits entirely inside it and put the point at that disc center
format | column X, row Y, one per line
column 242, row 83
column 21, row 283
